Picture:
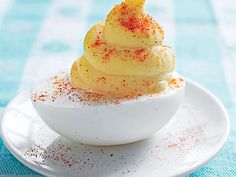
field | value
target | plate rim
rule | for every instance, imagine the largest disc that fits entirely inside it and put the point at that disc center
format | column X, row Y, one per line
column 201, row 162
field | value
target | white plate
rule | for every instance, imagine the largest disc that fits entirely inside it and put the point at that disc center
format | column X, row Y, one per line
column 187, row 142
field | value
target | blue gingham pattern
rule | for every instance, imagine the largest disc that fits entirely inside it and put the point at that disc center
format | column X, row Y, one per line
column 39, row 38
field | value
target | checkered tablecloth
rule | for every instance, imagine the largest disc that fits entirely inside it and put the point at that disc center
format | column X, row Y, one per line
column 39, row 38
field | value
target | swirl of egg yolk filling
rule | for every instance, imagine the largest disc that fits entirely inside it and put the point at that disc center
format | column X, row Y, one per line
column 124, row 56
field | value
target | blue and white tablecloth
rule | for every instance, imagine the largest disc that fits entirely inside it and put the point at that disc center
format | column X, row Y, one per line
column 39, row 38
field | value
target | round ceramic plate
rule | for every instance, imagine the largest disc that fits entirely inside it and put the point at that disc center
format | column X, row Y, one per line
column 188, row 141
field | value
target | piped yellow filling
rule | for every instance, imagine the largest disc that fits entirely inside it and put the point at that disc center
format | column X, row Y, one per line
column 125, row 56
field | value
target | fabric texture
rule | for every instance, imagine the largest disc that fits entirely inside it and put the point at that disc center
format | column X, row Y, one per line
column 39, row 38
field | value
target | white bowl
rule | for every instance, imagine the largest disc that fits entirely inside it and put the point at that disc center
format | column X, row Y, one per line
column 108, row 124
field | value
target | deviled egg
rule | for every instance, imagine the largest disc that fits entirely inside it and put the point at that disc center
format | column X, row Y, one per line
column 123, row 89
